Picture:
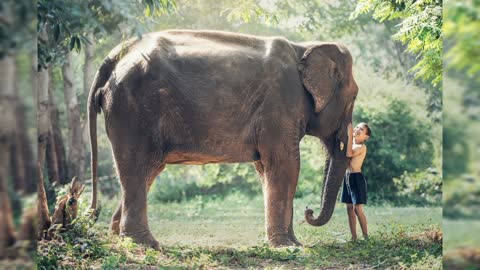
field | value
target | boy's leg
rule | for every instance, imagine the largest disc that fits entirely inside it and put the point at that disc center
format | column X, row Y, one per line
column 362, row 219
column 352, row 221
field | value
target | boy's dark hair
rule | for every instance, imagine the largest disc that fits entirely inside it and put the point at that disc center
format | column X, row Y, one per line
column 368, row 130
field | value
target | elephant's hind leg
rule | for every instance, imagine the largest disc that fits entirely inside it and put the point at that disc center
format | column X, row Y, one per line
column 136, row 171
column 115, row 221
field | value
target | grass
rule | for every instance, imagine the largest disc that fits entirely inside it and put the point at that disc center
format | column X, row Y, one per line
column 228, row 233
column 461, row 244
column 461, row 233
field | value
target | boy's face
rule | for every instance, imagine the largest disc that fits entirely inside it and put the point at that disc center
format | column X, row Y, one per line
column 359, row 134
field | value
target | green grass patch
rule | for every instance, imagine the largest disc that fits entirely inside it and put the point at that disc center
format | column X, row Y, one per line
column 461, row 233
column 224, row 233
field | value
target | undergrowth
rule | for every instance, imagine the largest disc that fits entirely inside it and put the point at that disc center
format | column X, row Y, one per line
column 391, row 246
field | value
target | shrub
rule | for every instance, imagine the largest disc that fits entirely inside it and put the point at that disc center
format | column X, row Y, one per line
column 462, row 198
column 178, row 183
column 419, row 188
column 400, row 142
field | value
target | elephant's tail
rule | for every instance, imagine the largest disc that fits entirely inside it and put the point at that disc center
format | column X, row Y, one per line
column 94, row 108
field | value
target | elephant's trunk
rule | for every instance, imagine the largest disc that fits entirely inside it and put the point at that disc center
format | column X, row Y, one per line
column 333, row 176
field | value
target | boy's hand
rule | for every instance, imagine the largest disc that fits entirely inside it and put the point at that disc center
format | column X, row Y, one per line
column 350, row 130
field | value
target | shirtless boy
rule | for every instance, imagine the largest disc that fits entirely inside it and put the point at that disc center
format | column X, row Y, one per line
column 354, row 192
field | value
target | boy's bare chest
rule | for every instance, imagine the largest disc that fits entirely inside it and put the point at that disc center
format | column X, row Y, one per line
column 357, row 147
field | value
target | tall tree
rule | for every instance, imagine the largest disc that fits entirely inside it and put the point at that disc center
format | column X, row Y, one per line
column 42, row 135
column 14, row 35
column 88, row 71
column 22, row 167
column 7, row 122
column 56, row 158
column 17, row 159
column 76, row 150
column 23, row 141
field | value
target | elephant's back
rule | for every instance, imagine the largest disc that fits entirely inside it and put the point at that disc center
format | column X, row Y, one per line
column 213, row 42
column 185, row 58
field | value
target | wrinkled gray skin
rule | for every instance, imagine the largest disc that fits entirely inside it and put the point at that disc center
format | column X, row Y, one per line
column 199, row 97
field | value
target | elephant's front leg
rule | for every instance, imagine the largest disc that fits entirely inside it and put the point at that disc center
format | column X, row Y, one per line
column 291, row 233
column 279, row 180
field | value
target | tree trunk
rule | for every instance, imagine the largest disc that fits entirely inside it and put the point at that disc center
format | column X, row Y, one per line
column 23, row 165
column 42, row 129
column 51, row 159
column 16, row 153
column 7, row 122
column 51, row 153
column 76, row 159
column 88, row 75
column 28, row 141
column 26, row 150
column 88, row 71
column 56, row 138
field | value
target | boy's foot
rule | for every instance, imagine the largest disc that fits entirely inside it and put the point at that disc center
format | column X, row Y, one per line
column 353, row 240
column 365, row 237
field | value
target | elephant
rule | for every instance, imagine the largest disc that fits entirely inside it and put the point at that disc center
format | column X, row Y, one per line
column 201, row 97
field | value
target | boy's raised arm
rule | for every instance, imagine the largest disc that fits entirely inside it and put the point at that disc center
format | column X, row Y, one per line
column 350, row 140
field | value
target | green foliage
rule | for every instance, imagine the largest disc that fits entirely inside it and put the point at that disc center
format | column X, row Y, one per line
column 248, row 10
column 312, row 156
column 419, row 188
column 462, row 198
column 113, row 262
column 399, row 143
column 420, row 30
column 456, row 151
column 180, row 182
column 461, row 28
column 78, row 241
column 66, row 26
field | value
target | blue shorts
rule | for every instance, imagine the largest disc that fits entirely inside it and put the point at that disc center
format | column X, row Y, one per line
column 354, row 189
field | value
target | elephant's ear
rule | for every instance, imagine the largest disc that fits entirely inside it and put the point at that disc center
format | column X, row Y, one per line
column 320, row 74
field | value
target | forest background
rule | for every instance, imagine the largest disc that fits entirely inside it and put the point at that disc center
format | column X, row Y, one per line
column 397, row 65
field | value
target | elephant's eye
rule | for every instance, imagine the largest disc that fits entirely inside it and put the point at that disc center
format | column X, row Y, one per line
column 354, row 97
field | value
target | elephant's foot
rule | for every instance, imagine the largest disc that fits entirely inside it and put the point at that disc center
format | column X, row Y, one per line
column 294, row 240
column 281, row 242
column 291, row 236
column 144, row 238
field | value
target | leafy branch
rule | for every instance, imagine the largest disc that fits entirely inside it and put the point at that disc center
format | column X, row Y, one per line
column 420, row 30
column 67, row 23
